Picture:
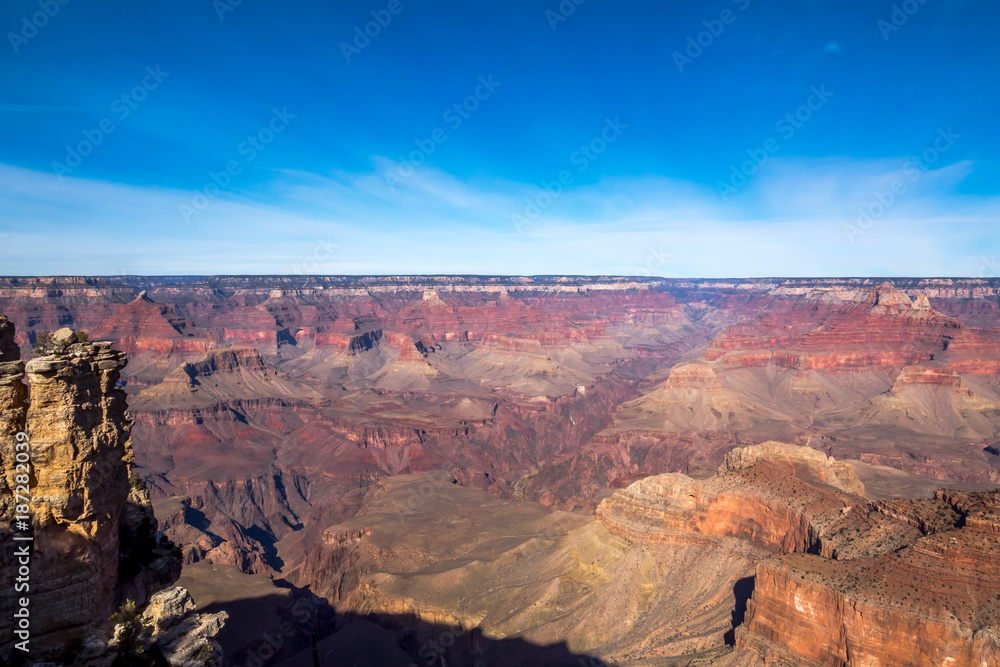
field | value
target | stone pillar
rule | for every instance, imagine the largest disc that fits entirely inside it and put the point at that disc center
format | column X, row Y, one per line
column 79, row 430
column 13, row 409
column 94, row 530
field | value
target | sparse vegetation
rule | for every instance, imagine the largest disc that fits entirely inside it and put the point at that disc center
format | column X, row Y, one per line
column 137, row 482
column 43, row 342
column 206, row 653
column 129, row 650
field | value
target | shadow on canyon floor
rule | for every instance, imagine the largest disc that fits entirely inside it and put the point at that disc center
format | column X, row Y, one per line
column 302, row 629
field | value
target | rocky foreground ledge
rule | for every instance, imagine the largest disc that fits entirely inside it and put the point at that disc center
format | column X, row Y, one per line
column 90, row 528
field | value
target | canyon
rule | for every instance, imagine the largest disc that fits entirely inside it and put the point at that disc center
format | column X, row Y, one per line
column 750, row 567
column 549, row 458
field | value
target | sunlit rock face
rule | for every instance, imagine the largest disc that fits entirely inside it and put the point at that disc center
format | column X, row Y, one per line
column 780, row 558
column 933, row 601
column 280, row 422
column 94, row 533
column 260, row 401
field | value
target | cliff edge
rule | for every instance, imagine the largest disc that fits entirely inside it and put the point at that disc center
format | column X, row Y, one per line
column 74, row 516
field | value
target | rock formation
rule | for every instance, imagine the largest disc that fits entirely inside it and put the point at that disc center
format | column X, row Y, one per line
column 13, row 409
column 93, row 533
column 261, row 400
column 934, row 600
column 833, row 577
column 425, row 552
column 281, row 422
column 170, row 628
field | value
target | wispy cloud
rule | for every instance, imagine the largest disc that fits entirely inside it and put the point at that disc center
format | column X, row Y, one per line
column 789, row 221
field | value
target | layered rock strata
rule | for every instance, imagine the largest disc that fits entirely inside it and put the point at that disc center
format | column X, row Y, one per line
column 753, row 498
column 548, row 388
column 852, row 581
column 172, row 629
column 94, row 541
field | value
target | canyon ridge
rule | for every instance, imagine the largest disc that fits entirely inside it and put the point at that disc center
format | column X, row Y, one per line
column 535, row 470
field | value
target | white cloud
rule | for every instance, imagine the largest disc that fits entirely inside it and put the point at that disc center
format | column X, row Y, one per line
column 788, row 220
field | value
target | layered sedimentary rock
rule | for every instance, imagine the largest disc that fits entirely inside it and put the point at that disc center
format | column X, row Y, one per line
column 93, row 532
column 548, row 388
column 561, row 390
column 932, row 603
column 663, row 575
column 173, row 629
column 425, row 552
column 779, row 497
column 855, row 581
column 935, row 600
column 870, row 372
column 143, row 325
column 886, row 582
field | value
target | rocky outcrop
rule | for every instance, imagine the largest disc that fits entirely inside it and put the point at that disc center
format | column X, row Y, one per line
column 794, row 611
column 171, row 628
column 676, row 508
column 525, row 386
column 13, row 410
column 776, row 496
column 851, row 581
column 424, row 550
column 93, row 532
column 832, row 577
column 827, row 469
column 933, row 602
column 908, row 583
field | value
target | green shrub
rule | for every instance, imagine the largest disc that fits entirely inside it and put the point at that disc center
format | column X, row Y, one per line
column 43, row 340
column 137, row 482
column 130, row 650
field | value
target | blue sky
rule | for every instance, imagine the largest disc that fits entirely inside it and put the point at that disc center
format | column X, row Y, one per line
column 718, row 139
